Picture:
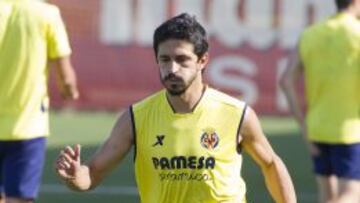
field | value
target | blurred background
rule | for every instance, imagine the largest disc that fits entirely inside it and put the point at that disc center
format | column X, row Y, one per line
column 250, row 41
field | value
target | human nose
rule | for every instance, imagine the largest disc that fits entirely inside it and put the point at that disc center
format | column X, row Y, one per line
column 173, row 67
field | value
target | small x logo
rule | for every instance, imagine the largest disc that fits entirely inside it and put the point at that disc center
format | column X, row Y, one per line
column 159, row 140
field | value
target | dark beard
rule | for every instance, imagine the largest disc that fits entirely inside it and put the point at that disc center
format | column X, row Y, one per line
column 174, row 91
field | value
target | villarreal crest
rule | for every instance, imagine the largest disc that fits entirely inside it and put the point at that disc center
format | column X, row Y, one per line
column 209, row 139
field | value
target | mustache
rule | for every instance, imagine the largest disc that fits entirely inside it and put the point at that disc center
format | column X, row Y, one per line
column 172, row 76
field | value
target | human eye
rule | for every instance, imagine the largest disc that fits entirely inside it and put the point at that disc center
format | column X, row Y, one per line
column 164, row 59
column 182, row 59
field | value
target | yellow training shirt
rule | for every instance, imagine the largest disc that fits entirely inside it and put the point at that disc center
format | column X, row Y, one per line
column 31, row 32
column 330, row 52
column 192, row 157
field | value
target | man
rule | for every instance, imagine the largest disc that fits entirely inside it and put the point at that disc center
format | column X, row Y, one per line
column 31, row 35
column 188, row 137
column 329, row 57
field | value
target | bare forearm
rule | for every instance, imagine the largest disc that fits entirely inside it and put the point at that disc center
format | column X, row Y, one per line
column 293, row 101
column 295, row 108
column 288, row 83
column 278, row 182
column 66, row 78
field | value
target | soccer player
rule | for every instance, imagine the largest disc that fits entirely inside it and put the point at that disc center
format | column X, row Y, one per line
column 31, row 35
column 328, row 56
column 188, row 137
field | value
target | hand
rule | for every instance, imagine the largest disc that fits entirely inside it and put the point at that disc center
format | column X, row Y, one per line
column 68, row 167
column 312, row 148
column 68, row 163
column 69, row 91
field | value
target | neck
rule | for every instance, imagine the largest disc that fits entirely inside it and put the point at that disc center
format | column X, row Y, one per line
column 352, row 11
column 186, row 102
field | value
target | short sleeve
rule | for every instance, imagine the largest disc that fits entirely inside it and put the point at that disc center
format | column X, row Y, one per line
column 57, row 38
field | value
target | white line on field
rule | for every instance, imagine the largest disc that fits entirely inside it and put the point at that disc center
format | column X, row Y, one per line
column 130, row 191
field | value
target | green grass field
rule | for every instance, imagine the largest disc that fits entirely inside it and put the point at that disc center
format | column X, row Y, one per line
column 89, row 129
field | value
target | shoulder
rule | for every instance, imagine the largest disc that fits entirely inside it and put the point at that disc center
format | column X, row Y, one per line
column 42, row 5
column 34, row 9
column 148, row 102
column 321, row 27
column 217, row 97
column 353, row 27
column 313, row 30
column 46, row 11
column 313, row 35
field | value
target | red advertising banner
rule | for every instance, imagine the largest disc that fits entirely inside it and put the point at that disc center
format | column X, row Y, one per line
column 249, row 44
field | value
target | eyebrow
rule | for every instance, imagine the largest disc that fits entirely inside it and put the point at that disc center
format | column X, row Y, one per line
column 183, row 55
column 163, row 56
column 178, row 55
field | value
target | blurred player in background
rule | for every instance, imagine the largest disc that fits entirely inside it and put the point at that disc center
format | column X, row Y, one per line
column 32, row 34
column 188, row 137
column 328, row 56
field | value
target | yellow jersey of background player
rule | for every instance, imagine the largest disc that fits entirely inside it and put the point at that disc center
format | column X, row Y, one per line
column 328, row 57
column 32, row 34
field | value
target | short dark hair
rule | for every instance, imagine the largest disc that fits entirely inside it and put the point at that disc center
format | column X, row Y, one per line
column 182, row 27
column 343, row 4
